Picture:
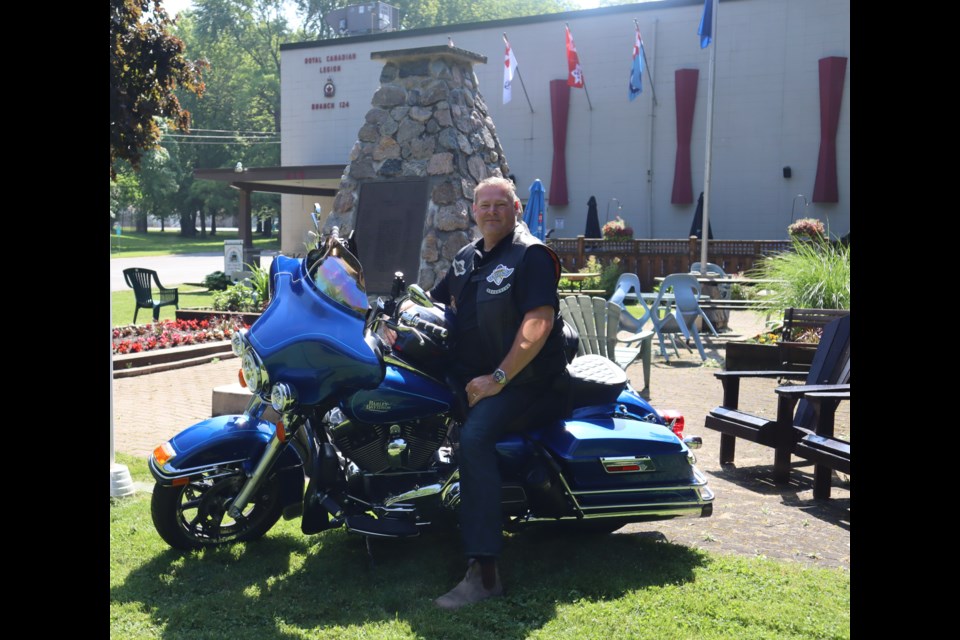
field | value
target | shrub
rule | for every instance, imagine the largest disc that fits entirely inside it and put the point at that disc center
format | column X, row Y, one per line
column 260, row 280
column 811, row 275
column 609, row 276
column 217, row 281
column 236, row 297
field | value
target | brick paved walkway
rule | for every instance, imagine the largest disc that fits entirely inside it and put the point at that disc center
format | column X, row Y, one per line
column 751, row 516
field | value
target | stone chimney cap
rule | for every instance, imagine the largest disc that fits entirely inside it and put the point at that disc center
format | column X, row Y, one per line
column 429, row 52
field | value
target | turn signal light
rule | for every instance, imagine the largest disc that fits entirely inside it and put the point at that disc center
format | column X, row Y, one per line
column 163, row 453
column 281, row 432
column 674, row 420
column 243, row 383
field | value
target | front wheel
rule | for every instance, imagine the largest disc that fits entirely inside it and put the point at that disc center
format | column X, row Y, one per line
column 194, row 515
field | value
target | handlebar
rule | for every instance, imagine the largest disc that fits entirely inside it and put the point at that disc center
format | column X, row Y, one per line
column 419, row 323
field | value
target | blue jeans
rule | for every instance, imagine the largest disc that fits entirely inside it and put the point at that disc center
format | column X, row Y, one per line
column 481, row 516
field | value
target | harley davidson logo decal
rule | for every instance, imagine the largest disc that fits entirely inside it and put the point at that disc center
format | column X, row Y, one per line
column 499, row 274
column 377, row 405
column 459, row 268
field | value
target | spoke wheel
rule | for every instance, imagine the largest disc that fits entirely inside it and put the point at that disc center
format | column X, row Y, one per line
column 195, row 515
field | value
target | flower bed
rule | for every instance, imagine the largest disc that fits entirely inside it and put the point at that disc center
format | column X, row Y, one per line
column 172, row 333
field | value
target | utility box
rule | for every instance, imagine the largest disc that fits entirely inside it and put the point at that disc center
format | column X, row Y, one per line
column 233, row 259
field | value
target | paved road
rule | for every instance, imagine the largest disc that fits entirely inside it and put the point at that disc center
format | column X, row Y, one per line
column 173, row 270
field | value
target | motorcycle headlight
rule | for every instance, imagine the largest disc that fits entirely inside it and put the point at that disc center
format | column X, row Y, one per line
column 253, row 373
column 283, row 397
column 238, row 343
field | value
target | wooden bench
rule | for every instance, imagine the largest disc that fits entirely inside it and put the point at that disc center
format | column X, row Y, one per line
column 796, row 321
column 831, row 366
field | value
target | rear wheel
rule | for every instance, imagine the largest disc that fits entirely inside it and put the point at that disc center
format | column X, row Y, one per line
column 194, row 515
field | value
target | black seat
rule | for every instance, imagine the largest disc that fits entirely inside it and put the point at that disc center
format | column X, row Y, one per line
column 141, row 281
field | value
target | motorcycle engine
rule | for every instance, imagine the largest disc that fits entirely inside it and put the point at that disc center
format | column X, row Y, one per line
column 404, row 446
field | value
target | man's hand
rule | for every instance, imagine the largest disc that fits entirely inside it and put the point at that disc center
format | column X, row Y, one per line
column 388, row 335
column 534, row 330
column 482, row 387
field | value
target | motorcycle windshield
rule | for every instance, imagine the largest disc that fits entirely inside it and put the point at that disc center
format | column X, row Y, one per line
column 339, row 276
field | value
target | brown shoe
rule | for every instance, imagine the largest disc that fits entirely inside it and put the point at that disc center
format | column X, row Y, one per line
column 470, row 589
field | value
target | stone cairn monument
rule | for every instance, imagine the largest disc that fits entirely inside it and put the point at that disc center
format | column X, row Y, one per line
column 427, row 121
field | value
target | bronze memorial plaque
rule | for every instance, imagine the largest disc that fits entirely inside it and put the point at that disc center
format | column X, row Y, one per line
column 389, row 224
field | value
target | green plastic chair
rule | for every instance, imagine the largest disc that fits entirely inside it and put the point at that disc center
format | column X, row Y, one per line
column 602, row 332
column 141, row 281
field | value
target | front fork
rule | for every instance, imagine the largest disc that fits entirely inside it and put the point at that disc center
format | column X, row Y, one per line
column 286, row 427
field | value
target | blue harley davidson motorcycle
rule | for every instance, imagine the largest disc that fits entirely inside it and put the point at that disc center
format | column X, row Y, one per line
column 365, row 436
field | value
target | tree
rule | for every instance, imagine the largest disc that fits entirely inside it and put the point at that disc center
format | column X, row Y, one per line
column 415, row 14
column 147, row 65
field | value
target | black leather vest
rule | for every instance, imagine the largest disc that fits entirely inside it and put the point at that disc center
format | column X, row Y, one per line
column 498, row 312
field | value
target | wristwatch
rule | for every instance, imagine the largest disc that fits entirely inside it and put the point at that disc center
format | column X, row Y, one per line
column 500, row 376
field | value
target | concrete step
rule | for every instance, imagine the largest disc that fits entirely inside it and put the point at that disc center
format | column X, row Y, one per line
column 232, row 399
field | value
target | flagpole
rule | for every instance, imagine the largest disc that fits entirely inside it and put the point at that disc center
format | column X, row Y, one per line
column 582, row 80
column 587, row 94
column 646, row 63
column 517, row 71
column 524, row 89
column 653, row 115
column 705, row 228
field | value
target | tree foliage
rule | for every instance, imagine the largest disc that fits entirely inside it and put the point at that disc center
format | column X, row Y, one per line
column 415, row 14
column 147, row 65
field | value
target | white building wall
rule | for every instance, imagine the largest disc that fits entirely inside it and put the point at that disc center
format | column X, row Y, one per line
column 766, row 110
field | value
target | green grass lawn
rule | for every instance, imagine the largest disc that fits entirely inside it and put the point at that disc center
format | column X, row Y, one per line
column 123, row 303
column 290, row 585
column 159, row 243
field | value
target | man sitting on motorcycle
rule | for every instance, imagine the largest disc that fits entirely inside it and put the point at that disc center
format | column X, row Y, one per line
column 508, row 353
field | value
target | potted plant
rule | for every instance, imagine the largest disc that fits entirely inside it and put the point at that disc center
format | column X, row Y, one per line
column 766, row 352
column 617, row 229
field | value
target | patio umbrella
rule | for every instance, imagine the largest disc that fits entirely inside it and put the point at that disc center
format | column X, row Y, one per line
column 593, row 220
column 696, row 229
column 533, row 215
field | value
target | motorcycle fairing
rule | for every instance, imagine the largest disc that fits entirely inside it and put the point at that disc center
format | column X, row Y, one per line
column 402, row 395
column 306, row 338
column 216, row 441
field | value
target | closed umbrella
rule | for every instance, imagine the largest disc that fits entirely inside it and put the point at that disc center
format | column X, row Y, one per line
column 533, row 215
column 593, row 220
column 696, row 228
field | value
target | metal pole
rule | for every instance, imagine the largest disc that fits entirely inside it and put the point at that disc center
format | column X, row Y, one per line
column 524, row 89
column 517, row 71
column 643, row 52
column 705, row 229
column 650, row 146
column 582, row 80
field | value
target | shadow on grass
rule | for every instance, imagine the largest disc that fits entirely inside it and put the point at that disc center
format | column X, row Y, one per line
column 289, row 585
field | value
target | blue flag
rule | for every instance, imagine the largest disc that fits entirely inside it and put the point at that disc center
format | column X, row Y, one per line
column 706, row 24
column 636, row 70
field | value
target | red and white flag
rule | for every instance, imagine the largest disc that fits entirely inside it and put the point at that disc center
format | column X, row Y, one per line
column 575, row 75
column 510, row 66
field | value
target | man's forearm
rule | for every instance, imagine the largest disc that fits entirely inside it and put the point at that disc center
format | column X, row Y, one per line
column 533, row 333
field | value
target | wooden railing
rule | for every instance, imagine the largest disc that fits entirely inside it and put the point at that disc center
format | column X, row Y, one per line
column 652, row 258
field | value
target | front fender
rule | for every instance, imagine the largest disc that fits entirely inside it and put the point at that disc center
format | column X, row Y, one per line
column 229, row 439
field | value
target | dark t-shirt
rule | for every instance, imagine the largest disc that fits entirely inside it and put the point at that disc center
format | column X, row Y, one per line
column 534, row 288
